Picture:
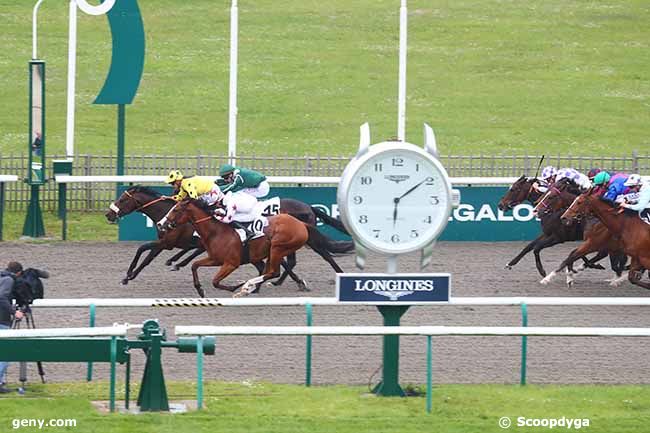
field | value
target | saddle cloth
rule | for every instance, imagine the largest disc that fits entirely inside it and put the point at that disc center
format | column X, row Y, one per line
column 261, row 211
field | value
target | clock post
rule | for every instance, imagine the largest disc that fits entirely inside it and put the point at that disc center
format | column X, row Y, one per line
column 395, row 198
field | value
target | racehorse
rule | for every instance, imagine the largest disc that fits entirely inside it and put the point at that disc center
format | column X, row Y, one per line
column 284, row 235
column 155, row 206
column 597, row 238
column 553, row 231
column 634, row 233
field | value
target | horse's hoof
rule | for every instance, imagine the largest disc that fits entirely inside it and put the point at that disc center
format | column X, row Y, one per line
column 275, row 283
column 508, row 266
column 174, row 268
column 168, row 263
column 124, row 282
column 302, row 287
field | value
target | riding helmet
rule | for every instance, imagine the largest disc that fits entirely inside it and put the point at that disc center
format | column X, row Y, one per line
column 548, row 172
column 633, row 180
column 601, row 178
column 593, row 172
column 226, row 169
column 173, row 176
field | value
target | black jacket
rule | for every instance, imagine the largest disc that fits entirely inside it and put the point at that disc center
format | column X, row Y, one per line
column 6, row 295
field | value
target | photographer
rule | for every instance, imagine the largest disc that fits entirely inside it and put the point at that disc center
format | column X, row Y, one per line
column 7, row 280
column 24, row 286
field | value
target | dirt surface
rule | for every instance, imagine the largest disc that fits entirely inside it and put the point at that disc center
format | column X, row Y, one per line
column 95, row 269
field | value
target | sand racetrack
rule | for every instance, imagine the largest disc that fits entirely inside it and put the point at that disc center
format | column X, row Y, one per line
column 81, row 269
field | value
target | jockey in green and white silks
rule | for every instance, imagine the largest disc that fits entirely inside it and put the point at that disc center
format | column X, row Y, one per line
column 242, row 188
column 243, row 180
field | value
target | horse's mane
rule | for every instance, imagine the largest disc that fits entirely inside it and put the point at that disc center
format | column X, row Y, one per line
column 572, row 185
column 203, row 206
column 145, row 190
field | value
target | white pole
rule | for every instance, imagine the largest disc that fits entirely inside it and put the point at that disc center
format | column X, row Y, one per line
column 34, row 31
column 72, row 63
column 232, row 112
column 401, row 98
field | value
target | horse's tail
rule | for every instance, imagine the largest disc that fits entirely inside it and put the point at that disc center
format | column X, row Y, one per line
column 319, row 242
column 326, row 219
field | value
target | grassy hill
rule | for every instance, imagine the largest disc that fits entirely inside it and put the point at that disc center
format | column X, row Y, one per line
column 491, row 76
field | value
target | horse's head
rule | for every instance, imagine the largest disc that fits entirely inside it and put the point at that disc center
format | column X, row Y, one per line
column 558, row 196
column 518, row 193
column 131, row 200
column 177, row 215
column 578, row 209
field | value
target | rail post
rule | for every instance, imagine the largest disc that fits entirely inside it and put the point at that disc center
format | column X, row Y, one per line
column 308, row 307
column 429, row 375
column 89, row 373
column 524, row 343
column 199, row 372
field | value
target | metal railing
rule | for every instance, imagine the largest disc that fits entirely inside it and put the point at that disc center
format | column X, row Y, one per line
column 96, row 197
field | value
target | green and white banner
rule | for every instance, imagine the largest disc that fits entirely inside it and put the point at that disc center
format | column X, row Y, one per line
column 476, row 219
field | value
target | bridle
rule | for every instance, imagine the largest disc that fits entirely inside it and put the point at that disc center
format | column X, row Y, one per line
column 139, row 205
column 544, row 206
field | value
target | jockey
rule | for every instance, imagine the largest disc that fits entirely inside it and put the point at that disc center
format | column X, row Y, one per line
column 569, row 173
column 202, row 184
column 244, row 180
column 642, row 202
column 547, row 178
column 610, row 188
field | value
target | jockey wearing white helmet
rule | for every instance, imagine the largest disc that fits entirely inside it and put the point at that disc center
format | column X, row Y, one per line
column 642, row 188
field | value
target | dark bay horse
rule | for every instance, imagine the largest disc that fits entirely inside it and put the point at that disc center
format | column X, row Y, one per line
column 284, row 235
column 553, row 231
column 155, row 206
column 596, row 235
column 634, row 233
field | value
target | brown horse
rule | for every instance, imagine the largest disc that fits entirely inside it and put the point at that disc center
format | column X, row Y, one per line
column 634, row 233
column 283, row 236
column 597, row 238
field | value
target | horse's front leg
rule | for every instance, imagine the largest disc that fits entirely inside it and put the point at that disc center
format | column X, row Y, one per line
column 207, row 261
column 176, row 257
column 152, row 255
column 272, row 271
column 138, row 254
column 525, row 251
column 538, row 248
column 290, row 263
column 198, row 251
column 225, row 270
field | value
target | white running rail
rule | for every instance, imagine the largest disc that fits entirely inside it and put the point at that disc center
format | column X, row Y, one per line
column 108, row 331
column 412, row 330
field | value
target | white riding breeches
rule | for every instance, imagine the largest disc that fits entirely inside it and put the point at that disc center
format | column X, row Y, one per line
column 262, row 190
column 240, row 207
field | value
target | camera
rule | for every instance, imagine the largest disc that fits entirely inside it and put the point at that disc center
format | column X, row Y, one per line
column 28, row 286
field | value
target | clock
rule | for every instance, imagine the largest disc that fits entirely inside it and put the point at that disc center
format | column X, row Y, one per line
column 395, row 197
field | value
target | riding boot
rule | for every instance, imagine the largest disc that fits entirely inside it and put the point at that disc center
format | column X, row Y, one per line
column 238, row 225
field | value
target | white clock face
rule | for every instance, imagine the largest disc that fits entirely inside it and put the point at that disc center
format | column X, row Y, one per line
column 398, row 201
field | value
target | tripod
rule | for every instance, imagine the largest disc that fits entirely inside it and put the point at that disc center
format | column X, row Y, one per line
column 29, row 324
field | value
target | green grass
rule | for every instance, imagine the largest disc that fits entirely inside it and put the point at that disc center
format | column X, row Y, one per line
column 491, row 76
column 259, row 407
column 82, row 226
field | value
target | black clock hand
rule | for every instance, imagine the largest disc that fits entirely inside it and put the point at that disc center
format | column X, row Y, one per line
column 396, row 201
column 412, row 189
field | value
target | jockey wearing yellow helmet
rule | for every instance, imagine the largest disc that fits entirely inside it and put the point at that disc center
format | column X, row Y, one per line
column 192, row 186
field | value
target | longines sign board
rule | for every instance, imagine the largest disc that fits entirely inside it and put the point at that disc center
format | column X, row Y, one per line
column 393, row 289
